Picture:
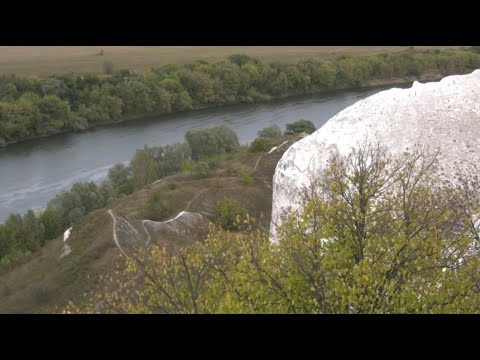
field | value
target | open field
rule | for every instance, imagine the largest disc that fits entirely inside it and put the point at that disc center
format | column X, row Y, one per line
column 45, row 60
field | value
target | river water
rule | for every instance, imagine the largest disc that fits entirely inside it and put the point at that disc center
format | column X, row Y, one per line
column 32, row 172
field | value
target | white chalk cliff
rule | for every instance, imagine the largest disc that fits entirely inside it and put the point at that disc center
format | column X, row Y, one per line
column 444, row 115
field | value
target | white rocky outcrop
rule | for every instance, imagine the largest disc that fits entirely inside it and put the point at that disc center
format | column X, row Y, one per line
column 66, row 249
column 66, row 234
column 444, row 115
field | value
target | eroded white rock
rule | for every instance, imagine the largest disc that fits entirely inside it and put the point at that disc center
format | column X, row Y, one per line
column 444, row 115
column 66, row 234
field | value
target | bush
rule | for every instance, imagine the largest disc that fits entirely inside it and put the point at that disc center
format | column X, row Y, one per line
column 229, row 173
column 52, row 222
column 201, row 168
column 270, row 132
column 300, row 126
column 121, row 178
column 228, row 214
column 260, row 145
column 239, row 59
column 144, row 168
column 169, row 158
column 187, row 165
column 247, row 179
column 211, row 141
column 13, row 259
column 156, row 209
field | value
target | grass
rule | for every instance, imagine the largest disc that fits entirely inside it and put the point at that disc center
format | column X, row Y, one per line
column 46, row 60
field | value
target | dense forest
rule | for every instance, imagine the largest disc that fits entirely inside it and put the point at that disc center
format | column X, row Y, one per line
column 378, row 234
column 32, row 107
column 21, row 235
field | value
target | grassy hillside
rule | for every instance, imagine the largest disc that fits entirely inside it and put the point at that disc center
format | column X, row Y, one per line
column 46, row 60
column 48, row 281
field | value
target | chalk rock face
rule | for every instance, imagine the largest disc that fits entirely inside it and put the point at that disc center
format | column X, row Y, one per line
column 444, row 115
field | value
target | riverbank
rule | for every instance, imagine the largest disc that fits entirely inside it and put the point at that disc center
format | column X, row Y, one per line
column 32, row 107
column 366, row 85
column 34, row 172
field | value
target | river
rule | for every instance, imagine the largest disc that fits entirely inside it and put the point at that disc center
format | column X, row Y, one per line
column 32, row 172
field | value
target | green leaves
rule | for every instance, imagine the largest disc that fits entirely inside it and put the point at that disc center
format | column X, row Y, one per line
column 144, row 169
column 104, row 98
column 211, row 141
column 300, row 126
column 228, row 213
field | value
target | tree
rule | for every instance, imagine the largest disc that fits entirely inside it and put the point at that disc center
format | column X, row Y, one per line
column 239, row 59
column 52, row 223
column 270, row 132
column 212, row 141
column 8, row 92
column 71, row 206
column 135, row 95
column 199, row 85
column 169, row 158
column 144, row 169
column 121, row 178
column 53, row 86
column 300, row 126
column 55, row 114
column 379, row 235
column 260, row 145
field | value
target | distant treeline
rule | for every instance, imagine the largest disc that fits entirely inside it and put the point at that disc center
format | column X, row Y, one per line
column 21, row 235
column 32, row 107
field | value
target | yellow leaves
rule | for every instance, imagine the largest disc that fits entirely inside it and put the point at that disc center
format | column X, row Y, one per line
column 344, row 252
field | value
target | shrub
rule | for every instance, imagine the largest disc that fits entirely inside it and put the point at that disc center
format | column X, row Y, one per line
column 211, row 141
column 270, row 132
column 228, row 173
column 13, row 259
column 169, row 158
column 187, row 165
column 144, row 168
column 228, row 213
column 247, row 179
column 239, row 59
column 155, row 208
column 201, row 168
column 260, row 145
column 300, row 126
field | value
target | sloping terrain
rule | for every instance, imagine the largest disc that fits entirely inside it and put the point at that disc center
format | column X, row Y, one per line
column 50, row 280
